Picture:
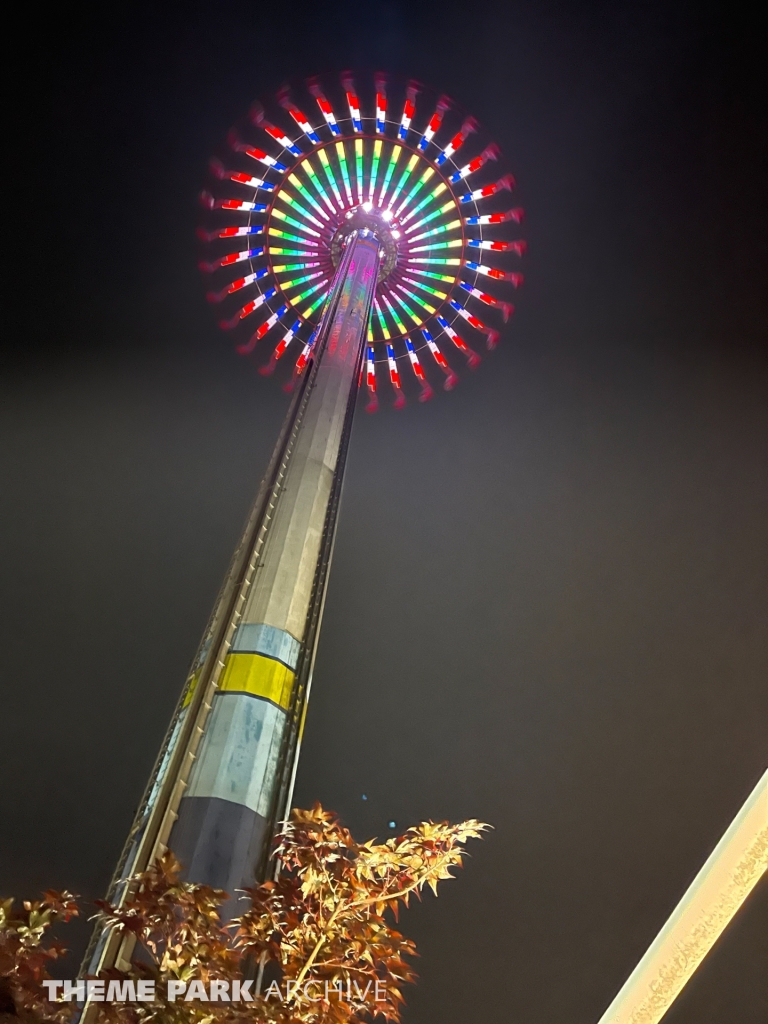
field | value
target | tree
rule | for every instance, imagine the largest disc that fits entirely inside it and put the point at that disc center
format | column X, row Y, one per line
column 24, row 956
column 321, row 934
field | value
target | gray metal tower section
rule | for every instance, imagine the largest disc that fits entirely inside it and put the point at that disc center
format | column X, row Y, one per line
column 224, row 776
column 227, row 813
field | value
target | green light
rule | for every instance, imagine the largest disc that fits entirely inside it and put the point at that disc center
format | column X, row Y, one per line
column 292, row 201
column 286, row 285
column 374, row 168
column 295, row 223
column 435, row 277
column 330, row 176
column 285, row 268
column 393, row 313
column 453, row 244
column 306, row 194
column 309, row 170
column 307, row 292
column 432, row 291
column 431, row 216
column 421, row 302
column 438, row 191
column 452, row 262
column 393, row 158
column 416, row 188
column 382, row 321
column 286, row 235
column 318, row 302
column 359, row 168
column 441, row 230
column 342, row 158
column 288, row 252
column 403, row 178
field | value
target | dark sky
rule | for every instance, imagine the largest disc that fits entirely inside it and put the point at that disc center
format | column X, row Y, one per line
column 548, row 605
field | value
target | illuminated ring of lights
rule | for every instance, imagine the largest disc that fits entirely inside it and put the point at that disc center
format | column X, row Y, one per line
column 307, row 184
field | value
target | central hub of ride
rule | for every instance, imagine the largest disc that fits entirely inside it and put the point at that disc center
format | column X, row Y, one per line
column 380, row 223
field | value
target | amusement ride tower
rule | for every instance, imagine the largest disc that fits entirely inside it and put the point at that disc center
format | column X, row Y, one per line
column 362, row 232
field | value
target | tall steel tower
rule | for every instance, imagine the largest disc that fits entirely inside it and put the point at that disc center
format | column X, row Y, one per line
column 365, row 233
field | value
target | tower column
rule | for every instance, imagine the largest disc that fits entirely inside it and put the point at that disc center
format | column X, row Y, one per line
column 224, row 776
column 227, row 814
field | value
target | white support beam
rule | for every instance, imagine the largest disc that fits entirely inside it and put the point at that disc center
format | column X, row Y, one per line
column 715, row 895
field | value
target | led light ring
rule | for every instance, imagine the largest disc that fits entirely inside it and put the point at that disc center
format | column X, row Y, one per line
column 293, row 288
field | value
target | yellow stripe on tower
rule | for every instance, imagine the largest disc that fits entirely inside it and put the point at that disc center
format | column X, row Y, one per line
column 259, row 676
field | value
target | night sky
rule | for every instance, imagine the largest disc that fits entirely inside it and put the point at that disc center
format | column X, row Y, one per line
column 548, row 603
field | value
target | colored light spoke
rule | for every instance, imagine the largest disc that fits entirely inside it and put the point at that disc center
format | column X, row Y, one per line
column 455, row 243
column 307, row 196
column 265, row 158
column 507, row 182
column 374, row 169
column 325, row 108
column 280, row 215
column 381, row 111
column 450, row 205
column 409, row 109
column 497, row 218
column 301, row 120
column 437, row 261
column 415, row 362
column 469, row 126
column 441, row 188
column 435, row 277
column 237, row 204
column 403, row 178
column 419, row 300
column 253, row 229
column 428, row 288
column 489, row 300
column 359, row 169
column 279, row 136
column 290, row 200
column 330, row 176
column 235, row 257
column 341, row 156
column 354, row 105
column 433, row 125
column 429, row 173
column 472, row 357
column 489, row 153
column 394, row 156
column 250, row 181
column 393, row 162
column 307, row 168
